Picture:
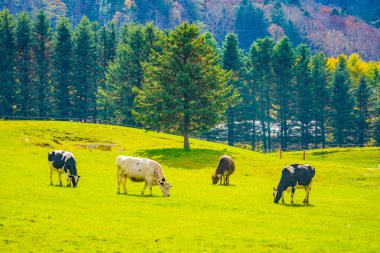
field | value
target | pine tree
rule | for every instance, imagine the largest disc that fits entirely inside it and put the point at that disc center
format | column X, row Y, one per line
column 321, row 97
column 126, row 72
column 184, row 91
column 232, row 60
column 283, row 63
column 250, row 24
column 85, row 70
column 342, row 103
column 377, row 124
column 261, row 56
column 63, row 69
column 42, row 52
column 8, row 84
column 279, row 18
column 303, row 82
column 363, row 105
column 24, row 68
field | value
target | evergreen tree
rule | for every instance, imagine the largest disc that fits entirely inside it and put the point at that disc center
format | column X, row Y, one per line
column 184, row 90
column 377, row 124
column 63, row 69
column 321, row 97
column 126, row 72
column 8, row 83
column 106, row 50
column 342, row 103
column 42, row 52
column 363, row 104
column 261, row 56
column 250, row 24
column 232, row 60
column 85, row 70
column 24, row 68
column 111, row 42
column 303, row 85
column 283, row 63
column 279, row 18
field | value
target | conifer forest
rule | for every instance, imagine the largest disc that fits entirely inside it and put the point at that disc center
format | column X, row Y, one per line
column 256, row 74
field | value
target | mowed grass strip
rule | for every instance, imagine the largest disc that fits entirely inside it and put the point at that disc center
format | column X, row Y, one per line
column 343, row 215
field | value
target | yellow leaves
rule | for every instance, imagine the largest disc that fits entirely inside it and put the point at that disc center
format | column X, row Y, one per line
column 356, row 66
column 128, row 3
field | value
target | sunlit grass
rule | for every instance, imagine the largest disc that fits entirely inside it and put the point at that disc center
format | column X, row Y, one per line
column 198, row 217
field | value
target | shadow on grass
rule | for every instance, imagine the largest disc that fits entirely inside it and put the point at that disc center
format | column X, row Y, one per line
column 184, row 159
column 62, row 186
column 297, row 205
column 232, row 185
column 135, row 195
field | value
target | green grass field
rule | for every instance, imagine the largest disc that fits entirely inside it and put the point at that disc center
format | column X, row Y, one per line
column 343, row 215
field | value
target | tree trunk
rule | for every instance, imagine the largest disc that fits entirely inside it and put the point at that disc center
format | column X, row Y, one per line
column 186, row 125
column 231, row 126
column 186, row 143
column 253, row 137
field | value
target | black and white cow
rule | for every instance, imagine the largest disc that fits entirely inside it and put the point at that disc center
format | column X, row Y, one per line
column 63, row 162
column 294, row 176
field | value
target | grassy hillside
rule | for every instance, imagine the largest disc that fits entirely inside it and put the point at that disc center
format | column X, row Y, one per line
column 197, row 217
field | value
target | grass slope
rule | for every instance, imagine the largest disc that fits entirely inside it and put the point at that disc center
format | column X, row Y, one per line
column 198, row 217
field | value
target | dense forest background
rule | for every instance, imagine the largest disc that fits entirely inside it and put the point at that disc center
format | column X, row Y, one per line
column 261, row 91
column 329, row 26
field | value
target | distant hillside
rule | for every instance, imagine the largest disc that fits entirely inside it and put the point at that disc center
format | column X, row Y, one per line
column 331, row 26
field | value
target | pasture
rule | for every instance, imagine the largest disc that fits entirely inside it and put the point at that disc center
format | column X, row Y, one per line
column 343, row 215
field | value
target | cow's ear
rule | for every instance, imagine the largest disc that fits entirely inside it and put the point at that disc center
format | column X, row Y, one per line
column 78, row 176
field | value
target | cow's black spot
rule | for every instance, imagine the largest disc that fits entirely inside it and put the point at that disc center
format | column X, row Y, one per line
column 137, row 163
column 139, row 169
column 163, row 179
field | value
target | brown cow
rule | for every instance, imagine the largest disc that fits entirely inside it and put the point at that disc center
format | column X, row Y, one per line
column 225, row 168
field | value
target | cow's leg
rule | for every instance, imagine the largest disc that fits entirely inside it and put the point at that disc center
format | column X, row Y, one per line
column 124, row 181
column 282, row 198
column 59, row 178
column 119, row 179
column 68, row 181
column 292, row 194
column 306, row 200
column 149, row 183
column 51, row 174
column 143, row 190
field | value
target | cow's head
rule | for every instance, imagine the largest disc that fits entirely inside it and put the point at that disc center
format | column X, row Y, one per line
column 215, row 178
column 276, row 195
column 165, row 187
column 51, row 156
column 75, row 180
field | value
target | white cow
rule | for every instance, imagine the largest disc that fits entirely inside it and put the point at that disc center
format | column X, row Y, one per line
column 141, row 170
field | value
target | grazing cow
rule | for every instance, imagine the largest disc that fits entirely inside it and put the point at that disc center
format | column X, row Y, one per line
column 63, row 162
column 294, row 176
column 225, row 168
column 141, row 170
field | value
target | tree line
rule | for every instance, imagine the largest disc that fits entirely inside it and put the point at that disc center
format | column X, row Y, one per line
column 181, row 81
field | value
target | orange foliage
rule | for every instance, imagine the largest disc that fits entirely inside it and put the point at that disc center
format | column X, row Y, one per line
column 325, row 9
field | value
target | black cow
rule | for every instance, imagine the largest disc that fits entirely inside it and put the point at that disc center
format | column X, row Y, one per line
column 294, row 176
column 63, row 162
column 225, row 168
